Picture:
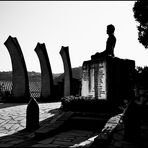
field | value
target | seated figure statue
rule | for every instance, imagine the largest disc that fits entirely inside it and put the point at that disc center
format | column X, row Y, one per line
column 110, row 44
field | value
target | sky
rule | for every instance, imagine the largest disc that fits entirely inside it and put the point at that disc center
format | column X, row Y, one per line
column 80, row 25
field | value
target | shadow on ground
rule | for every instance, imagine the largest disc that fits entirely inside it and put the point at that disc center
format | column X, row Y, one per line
column 5, row 105
column 24, row 137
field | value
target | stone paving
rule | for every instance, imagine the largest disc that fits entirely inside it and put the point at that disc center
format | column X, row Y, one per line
column 13, row 119
column 71, row 138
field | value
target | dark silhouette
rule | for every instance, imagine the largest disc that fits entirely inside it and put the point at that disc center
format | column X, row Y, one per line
column 132, row 120
column 64, row 52
column 46, row 73
column 140, row 10
column 110, row 44
column 20, row 87
column 32, row 115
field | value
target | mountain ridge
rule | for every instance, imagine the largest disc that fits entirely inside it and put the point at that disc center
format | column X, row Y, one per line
column 36, row 76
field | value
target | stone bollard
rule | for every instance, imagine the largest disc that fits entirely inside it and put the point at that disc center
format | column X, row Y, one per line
column 32, row 115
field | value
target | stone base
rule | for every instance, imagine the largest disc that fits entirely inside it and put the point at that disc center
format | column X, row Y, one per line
column 108, row 78
column 98, row 55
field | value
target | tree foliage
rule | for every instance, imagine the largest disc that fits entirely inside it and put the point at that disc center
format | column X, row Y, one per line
column 140, row 10
column 142, row 77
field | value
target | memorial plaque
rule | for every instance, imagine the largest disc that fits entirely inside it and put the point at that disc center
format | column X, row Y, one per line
column 94, row 79
column 108, row 78
column 102, row 80
column 85, row 80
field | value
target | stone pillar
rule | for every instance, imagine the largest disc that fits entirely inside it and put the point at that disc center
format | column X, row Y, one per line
column 20, row 87
column 64, row 52
column 46, row 72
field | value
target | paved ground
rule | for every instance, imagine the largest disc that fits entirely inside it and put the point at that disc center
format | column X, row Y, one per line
column 13, row 121
column 13, row 116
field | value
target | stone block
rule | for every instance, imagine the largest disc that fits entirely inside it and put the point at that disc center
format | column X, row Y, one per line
column 108, row 78
column 46, row 141
column 62, row 143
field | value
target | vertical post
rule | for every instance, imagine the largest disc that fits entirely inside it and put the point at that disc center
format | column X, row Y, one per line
column 20, row 87
column 46, row 72
column 32, row 115
column 64, row 52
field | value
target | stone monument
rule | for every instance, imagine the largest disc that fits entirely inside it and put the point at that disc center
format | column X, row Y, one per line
column 20, row 87
column 64, row 52
column 94, row 79
column 46, row 73
column 108, row 78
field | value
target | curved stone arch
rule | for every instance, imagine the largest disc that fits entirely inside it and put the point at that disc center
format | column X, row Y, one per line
column 20, row 83
column 46, row 72
column 64, row 52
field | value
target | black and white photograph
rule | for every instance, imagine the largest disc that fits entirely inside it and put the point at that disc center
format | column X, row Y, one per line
column 74, row 74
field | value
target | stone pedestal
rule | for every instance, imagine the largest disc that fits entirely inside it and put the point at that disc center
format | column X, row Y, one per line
column 108, row 78
column 94, row 79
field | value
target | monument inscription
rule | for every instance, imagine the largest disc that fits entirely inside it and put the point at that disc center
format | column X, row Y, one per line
column 94, row 79
column 102, row 80
column 108, row 79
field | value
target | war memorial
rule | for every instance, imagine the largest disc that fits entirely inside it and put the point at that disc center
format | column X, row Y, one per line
column 107, row 81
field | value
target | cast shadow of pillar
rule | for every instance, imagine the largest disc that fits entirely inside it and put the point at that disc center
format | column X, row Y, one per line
column 46, row 73
column 64, row 52
column 20, row 87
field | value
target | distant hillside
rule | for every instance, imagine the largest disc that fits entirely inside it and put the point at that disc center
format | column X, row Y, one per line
column 76, row 74
column 6, row 76
column 36, row 76
column 33, row 76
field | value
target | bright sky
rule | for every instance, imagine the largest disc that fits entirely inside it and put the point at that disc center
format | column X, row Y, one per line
column 81, row 25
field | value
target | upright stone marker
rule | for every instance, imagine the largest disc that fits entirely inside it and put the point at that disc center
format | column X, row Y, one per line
column 20, row 87
column 46, row 72
column 64, row 52
column 32, row 115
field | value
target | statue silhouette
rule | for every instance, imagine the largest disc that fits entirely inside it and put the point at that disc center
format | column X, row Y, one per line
column 110, row 44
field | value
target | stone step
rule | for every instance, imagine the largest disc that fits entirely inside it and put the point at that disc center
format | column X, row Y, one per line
column 103, row 114
column 95, row 119
column 87, row 122
column 54, row 126
column 105, row 136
